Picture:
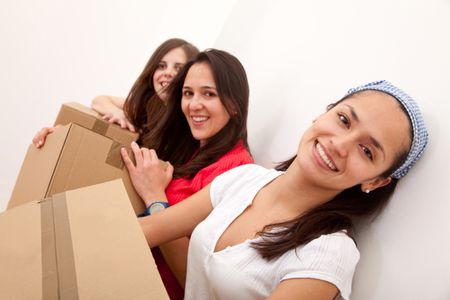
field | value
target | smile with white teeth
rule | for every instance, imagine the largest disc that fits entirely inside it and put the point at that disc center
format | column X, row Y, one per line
column 164, row 83
column 199, row 118
column 324, row 157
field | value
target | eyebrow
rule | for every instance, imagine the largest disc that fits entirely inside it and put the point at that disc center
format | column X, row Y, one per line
column 373, row 140
column 203, row 87
column 176, row 64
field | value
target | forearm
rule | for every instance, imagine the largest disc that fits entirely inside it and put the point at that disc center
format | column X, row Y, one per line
column 177, row 221
column 159, row 230
column 107, row 104
column 175, row 254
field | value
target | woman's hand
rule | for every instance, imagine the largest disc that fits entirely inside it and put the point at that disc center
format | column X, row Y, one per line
column 148, row 176
column 111, row 109
column 118, row 117
column 41, row 135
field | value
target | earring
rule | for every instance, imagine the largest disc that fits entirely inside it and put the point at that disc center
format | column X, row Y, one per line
column 367, row 191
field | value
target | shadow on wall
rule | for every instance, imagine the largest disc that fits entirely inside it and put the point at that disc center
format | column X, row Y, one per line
column 371, row 259
column 263, row 129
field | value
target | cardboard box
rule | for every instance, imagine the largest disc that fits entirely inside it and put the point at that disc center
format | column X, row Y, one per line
column 72, row 157
column 73, row 112
column 81, row 244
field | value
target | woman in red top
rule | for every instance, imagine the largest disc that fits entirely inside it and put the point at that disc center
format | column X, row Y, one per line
column 202, row 134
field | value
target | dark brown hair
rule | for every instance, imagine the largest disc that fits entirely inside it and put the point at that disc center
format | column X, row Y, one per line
column 335, row 215
column 172, row 138
column 142, row 106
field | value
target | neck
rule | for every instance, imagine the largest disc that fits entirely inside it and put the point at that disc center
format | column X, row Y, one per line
column 296, row 193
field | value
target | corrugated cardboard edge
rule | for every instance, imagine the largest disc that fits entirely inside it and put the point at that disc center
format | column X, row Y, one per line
column 61, row 152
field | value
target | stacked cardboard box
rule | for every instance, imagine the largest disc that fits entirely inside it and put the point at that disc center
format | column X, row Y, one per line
column 80, row 244
column 84, row 152
column 73, row 112
column 70, row 231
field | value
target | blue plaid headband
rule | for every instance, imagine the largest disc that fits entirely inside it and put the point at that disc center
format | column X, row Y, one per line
column 420, row 135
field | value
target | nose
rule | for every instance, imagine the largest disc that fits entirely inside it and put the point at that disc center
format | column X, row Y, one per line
column 170, row 72
column 341, row 144
column 195, row 103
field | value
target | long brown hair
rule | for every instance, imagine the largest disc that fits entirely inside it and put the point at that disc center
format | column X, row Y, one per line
column 142, row 106
column 172, row 138
column 335, row 215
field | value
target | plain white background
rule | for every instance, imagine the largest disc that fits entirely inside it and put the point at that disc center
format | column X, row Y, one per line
column 299, row 55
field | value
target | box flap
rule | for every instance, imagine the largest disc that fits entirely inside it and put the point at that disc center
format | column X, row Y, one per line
column 89, row 158
column 38, row 168
column 73, row 112
column 112, row 257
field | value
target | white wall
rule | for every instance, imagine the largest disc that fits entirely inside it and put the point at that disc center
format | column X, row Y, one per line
column 57, row 51
column 300, row 56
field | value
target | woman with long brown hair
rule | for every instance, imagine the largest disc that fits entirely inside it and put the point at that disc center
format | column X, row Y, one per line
column 203, row 133
column 260, row 233
column 144, row 104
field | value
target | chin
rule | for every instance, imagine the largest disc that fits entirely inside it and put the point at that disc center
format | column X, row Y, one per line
column 162, row 96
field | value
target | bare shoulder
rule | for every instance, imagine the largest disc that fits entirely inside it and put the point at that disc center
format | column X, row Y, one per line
column 304, row 288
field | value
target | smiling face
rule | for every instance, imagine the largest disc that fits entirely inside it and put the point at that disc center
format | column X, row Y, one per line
column 355, row 142
column 168, row 67
column 201, row 104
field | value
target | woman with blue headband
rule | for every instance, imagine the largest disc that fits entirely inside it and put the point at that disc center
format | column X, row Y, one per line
column 286, row 233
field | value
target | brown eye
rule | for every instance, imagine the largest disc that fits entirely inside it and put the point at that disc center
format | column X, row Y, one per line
column 367, row 152
column 344, row 120
column 187, row 93
column 161, row 65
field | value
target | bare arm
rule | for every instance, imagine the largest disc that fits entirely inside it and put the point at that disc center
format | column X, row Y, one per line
column 177, row 221
column 175, row 254
column 304, row 288
column 104, row 104
column 111, row 108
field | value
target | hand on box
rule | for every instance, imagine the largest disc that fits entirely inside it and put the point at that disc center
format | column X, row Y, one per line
column 118, row 117
column 148, row 176
column 41, row 135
